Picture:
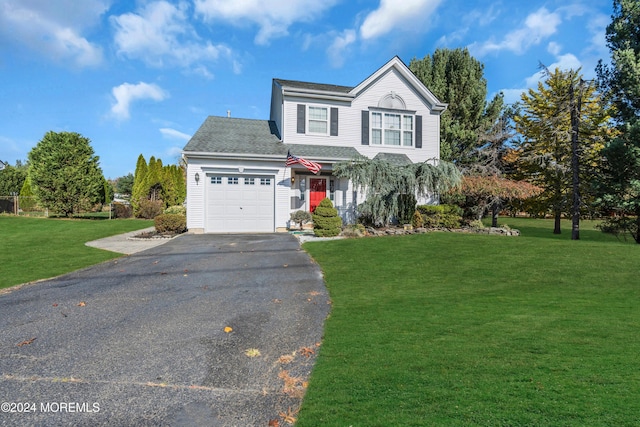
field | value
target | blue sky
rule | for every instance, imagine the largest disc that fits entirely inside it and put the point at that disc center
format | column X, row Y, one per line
column 140, row 77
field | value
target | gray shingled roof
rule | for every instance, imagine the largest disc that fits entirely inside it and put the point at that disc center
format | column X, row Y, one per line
column 313, row 86
column 394, row 158
column 255, row 137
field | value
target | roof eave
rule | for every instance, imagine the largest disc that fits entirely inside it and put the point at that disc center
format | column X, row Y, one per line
column 308, row 93
column 249, row 156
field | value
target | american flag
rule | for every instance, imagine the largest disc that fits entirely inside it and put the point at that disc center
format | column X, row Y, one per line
column 312, row 166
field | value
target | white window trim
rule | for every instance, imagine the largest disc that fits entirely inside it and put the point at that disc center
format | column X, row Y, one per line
column 402, row 115
column 309, row 120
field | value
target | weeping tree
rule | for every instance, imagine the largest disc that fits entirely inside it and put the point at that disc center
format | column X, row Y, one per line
column 387, row 186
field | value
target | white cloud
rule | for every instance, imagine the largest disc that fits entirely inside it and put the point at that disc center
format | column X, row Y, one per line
column 337, row 50
column 127, row 93
column 160, row 34
column 273, row 17
column 393, row 14
column 174, row 134
column 537, row 27
column 54, row 27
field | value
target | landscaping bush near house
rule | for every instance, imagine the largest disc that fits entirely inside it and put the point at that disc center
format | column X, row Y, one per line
column 170, row 223
column 149, row 209
column 416, row 220
column 440, row 216
column 176, row 210
column 326, row 222
column 121, row 210
column 300, row 217
column 354, row 230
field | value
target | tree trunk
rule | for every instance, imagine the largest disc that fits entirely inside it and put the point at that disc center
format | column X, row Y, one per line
column 556, row 226
column 495, row 210
column 636, row 236
column 575, row 165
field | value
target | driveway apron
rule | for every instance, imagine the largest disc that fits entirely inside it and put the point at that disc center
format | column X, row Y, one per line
column 205, row 330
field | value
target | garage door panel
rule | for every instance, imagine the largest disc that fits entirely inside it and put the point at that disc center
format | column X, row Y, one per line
column 239, row 204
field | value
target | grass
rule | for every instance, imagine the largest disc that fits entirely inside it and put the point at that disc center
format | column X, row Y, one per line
column 449, row 329
column 38, row 248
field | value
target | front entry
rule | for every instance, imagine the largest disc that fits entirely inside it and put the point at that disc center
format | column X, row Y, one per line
column 317, row 192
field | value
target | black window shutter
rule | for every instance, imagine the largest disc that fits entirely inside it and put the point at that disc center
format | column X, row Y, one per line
column 418, row 131
column 301, row 117
column 334, row 122
column 365, row 127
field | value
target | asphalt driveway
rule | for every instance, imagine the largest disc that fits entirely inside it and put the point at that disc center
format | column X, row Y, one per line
column 205, row 330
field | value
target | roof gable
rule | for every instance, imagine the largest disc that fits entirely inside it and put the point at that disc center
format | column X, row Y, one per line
column 396, row 64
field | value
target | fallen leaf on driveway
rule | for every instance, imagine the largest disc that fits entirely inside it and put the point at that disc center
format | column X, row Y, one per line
column 26, row 342
column 286, row 265
column 289, row 417
column 274, row 423
column 252, row 352
column 82, row 304
column 55, row 305
column 286, row 358
column 228, row 329
column 306, row 351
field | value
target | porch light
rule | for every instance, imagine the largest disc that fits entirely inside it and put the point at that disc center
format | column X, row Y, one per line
column 197, row 177
column 293, row 179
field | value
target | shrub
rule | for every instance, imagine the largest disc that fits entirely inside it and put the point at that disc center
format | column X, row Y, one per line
column 416, row 219
column 445, row 216
column 149, row 209
column 176, row 210
column 354, row 230
column 326, row 222
column 170, row 223
column 476, row 224
column 406, row 208
column 301, row 217
column 121, row 210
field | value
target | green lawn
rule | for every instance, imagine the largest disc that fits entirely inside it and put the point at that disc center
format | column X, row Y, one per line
column 38, row 248
column 449, row 329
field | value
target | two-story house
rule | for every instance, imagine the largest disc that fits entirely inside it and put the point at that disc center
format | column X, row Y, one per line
column 237, row 180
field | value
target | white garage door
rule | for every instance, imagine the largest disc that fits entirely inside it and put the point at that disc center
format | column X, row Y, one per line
column 240, row 204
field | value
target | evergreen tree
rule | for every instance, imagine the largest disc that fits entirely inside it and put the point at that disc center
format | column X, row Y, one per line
column 455, row 77
column 138, row 190
column 619, row 184
column 387, row 184
column 124, row 184
column 12, row 178
column 154, row 179
column 27, row 199
column 65, row 173
column 326, row 222
column 545, row 125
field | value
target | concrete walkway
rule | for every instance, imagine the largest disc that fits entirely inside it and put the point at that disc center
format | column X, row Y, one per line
column 127, row 243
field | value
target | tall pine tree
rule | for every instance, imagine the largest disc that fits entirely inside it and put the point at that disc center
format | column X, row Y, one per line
column 544, row 123
column 455, row 77
column 619, row 185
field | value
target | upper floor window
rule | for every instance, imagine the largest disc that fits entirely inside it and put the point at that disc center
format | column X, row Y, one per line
column 391, row 129
column 318, row 120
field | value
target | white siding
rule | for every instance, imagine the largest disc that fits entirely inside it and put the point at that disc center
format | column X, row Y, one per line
column 276, row 107
column 196, row 199
column 350, row 120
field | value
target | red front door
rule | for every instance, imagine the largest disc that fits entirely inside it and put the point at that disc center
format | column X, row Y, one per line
column 317, row 192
